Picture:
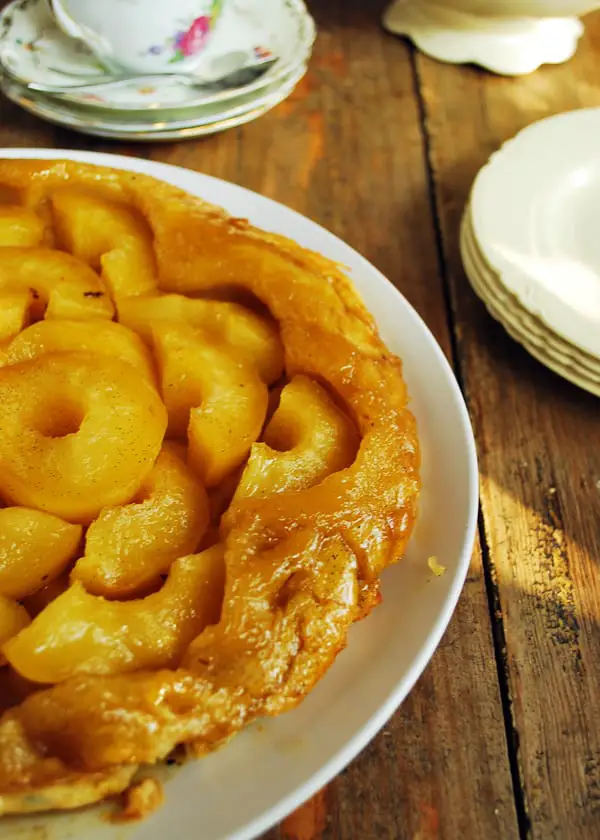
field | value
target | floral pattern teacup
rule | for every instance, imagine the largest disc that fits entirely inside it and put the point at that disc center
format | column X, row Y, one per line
column 141, row 36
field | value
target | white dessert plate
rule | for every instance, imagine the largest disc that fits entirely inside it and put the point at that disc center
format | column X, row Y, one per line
column 34, row 49
column 571, row 373
column 534, row 209
column 548, row 349
column 267, row 771
column 515, row 313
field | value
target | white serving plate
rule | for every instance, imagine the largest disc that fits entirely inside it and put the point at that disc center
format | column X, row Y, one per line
column 534, row 209
column 270, row 769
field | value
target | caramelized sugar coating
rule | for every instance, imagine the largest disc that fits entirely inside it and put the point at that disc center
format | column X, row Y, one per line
column 76, row 434
column 108, row 236
column 35, row 548
column 327, row 496
column 14, row 314
column 129, row 547
column 79, row 633
column 74, row 790
column 252, row 336
column 20, row 227
column 60, row 285
column 307, row 439
column 211, row 393
column 13, row 619
column 99, row 336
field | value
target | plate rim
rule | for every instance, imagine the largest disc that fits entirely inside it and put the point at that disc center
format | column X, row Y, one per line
column 59, row 113
column 512, row 309
column 340, row 759
column 567, row 369
column 572, row 327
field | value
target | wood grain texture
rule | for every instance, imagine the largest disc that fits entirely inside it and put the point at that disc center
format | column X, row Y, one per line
column 539, row 449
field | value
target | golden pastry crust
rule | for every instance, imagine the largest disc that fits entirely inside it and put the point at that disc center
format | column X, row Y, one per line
column 142, row 799
column 301, row 567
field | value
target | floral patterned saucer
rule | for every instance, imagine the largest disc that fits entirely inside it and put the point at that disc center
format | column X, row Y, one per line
column 154, row 125
column 34, row 49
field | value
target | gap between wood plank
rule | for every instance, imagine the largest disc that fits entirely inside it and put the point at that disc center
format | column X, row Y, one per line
column 496, row 622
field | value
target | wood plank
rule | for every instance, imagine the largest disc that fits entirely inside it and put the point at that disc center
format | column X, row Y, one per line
column 539, row 449
column 20, row 129
column 347, row 150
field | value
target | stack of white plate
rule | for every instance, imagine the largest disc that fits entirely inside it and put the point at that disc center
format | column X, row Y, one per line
column 34, row 51
column 530, row 242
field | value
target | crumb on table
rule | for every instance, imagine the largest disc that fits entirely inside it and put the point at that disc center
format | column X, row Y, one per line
column 437, row 569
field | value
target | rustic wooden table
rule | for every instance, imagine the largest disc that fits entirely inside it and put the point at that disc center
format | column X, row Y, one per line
column 501, row 736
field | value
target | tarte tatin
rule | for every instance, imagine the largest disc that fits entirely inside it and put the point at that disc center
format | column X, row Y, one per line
column 206, row 461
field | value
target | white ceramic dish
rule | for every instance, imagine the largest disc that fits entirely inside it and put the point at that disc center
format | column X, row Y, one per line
column 35, row 50
column 543, row 345
column 268, row 770
column 516, row 314
column 572, row 374
column 169, row 125
column 534, row 208
column 510, row 37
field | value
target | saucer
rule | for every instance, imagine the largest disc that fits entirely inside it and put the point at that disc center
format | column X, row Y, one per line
column 156, row 125
column 544, row 345
column 34, row 49
column 534, row 215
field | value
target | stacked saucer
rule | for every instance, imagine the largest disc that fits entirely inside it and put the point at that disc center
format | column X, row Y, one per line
column 274, row 44
column 530, row 243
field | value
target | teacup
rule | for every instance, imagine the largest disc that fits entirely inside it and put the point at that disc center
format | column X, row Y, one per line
column 142, row 36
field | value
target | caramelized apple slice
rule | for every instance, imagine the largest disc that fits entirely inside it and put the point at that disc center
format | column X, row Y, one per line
column 103, row 337
column 78, row 432
column 253, row 337
column 307, row 439
column 108, row 236
column 79, row 633
column 218, row 398
column 35, row 547
column 14, row 313
column 128, row 548
column 13, row 618
column 37, row 602
column 20, row 226
column 61, row 286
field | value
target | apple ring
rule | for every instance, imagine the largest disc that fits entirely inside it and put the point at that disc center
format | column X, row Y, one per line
column 128, row 548
column 78, row 432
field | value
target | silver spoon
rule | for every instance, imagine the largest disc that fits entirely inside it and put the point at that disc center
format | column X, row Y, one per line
column 238, row 77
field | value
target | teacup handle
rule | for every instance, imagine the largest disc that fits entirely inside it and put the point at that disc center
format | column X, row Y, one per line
column 97, row 45
column 68, row 26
